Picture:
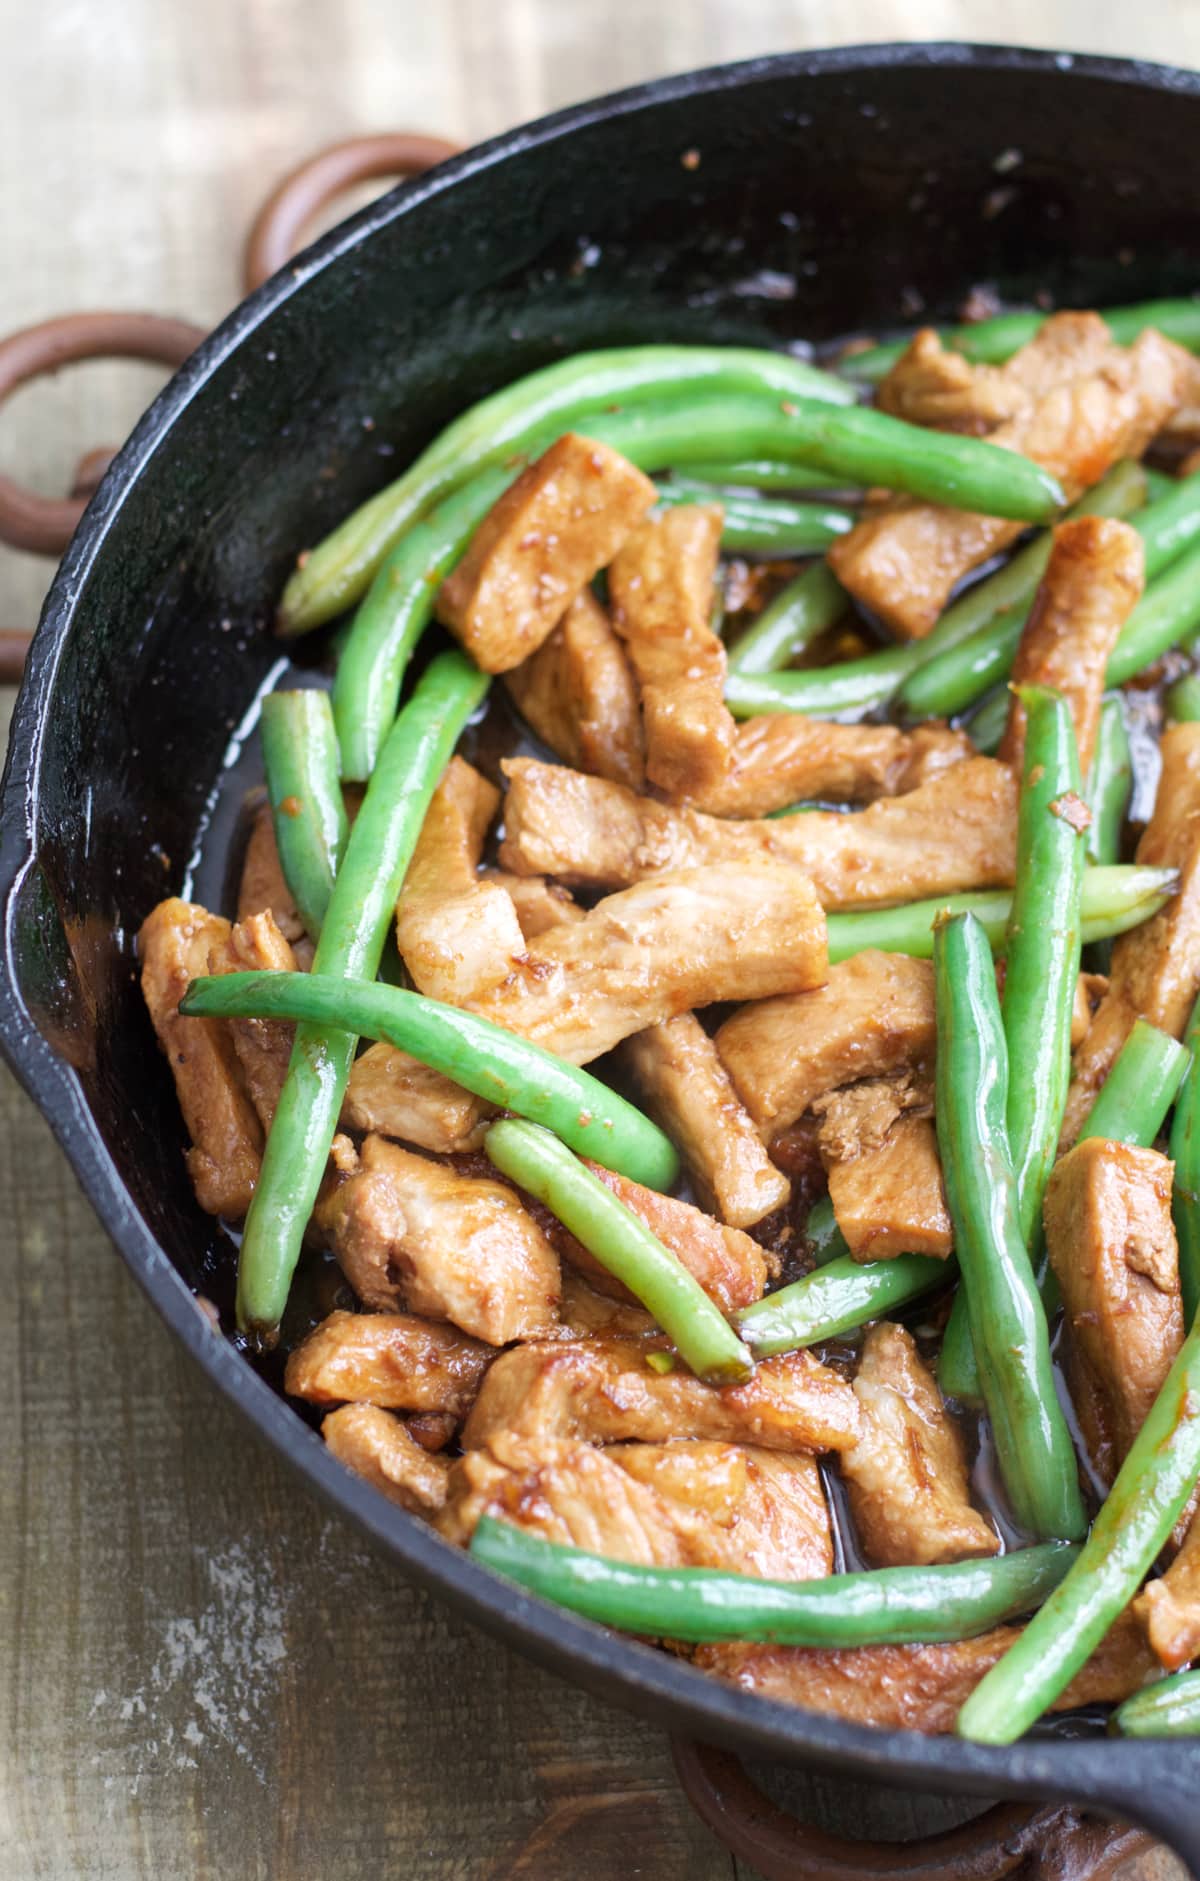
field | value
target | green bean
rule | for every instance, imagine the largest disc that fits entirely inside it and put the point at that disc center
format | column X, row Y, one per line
column 1132, row 1103
column 1110, row 781
column 534, row 1159
column 761, row 525
column 1143, row 1505
column 986, row 724
column 846, row 690
column 760, row 473
column 960, row 667
column 301, row 757
column 799, row 614
column 835, row 1298
column 881, row 1606
column 1182, row 703
column 1008, row 1326
column 1168, row 1708
column 496, row 1065
column 1167, row 612
column 825, row 1239
column 1185, row 1154
column 991, row 342
column 1113, row 900
column 356, row 922
column 1158, row 483
column 338, row 571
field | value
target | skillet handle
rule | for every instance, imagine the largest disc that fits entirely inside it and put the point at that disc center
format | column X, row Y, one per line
column 1033, row 1841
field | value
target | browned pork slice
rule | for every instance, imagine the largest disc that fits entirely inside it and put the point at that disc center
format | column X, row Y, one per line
column 174, row 945
column 603, row 1391
column 1182, row 429
column 413, row 1232
column 1091, row 586
column 907, row 1474
column 560, row 523
column 458, row 933
column 682, row 940
column 873, row 1017
column 931, row 384
column 886, row 1189
column 904, row 560
column 263, row 1046
column 1169, row 1608
column 955, row 832
column 688, row 1090
column 540, row 904
column 783, row 758
column 262, row 888
column 376, row 1446
column 684, row 1504
column 917, row 1688
column 584, row 1310
column 729, row 1265
column 1155, row 967
column 578, row 693
column 395, row 1095
column 1112, row 1245
column 389, row 1359
column 661, row 586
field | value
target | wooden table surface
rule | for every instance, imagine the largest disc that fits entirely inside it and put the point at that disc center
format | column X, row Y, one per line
column 205, row 1675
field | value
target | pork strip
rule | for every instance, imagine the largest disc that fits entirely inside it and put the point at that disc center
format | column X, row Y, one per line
column 661, row 587
column 1169, row 1608
column 174, row 945
column 540, row 904
column 931, row 384
column 786, row 758
column 392, row 1360
column 562, row 521
column 377, row 1447
column 392, row 1094
column 584, row 1310
column 688, row 1091
column 579, row 695
column 458, row 934
column 907, row 1474
column 263, row 1046
column 888, row 1198
column 955, row 832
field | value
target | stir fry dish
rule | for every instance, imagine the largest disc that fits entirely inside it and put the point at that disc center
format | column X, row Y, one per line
column 727, row 1029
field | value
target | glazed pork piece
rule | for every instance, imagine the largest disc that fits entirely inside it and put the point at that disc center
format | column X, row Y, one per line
column 392, row 1360
column 682, row 940
column 688, row 1091
column 410, row 1231
column 873, row 1017
column 931, row 384
column 559, row 524
column 540, row 904
column 885, row 1179
column 263, row 1046
column 578, row 694
column 661, row 584
column 377, row 1447
column 907, row 1474
column 174, row 946
column 904, row 561
column 1091, row 586
column 1169, row 1608
column 263, row 890
column 1156, row 967
column 955, row 832
column 394, row 1095
column 603, row 1391
column 1112, row 1247
column 786, row 758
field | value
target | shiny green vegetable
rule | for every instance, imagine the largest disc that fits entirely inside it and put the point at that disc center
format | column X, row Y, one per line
column 1008, row 1325
column 1112, row 901
column 300, row 753
column 763, row 525
column 1143, row 1505
column 1132, row 1103
column 554, row 399
column 760, row 473
column 799, row 614
column 987, row 722
column 534, row 1159
column 1109, row 784
column 496, row 1065
column 1167, row 613
column 884, row 1606
column 1168, row 1708
column 835, row 1298
column 356, row 922
column 1184, row 1151
column 1182, row 703
column 991, row 342
column 849, row 689
column 825, row 1239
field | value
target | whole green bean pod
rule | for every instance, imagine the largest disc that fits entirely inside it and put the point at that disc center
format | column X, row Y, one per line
column 881, row 1606
column 762, row 525
column 759, row 473
column 1182, row 703
column 356, row 921
column 991, row 342
column 1143, row 1505
column 847, row 690
column 500, row 1067
column 300, row 754
column 1168, row 1708
column 1184, row 1151
column 534, row 1159
column 825, row 1239
column 1109, row 784
column 986, row 724
column 799, row 614
column 1008, row 1326
column 1132, row 1103
column 1112, row 901
column 835, row 1298
column 1166, row 614
column 558, row 397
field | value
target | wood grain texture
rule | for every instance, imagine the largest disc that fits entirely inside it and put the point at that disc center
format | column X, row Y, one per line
column 205, row 1674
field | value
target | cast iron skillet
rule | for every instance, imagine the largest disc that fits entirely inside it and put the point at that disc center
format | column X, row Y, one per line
column 832, row 191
